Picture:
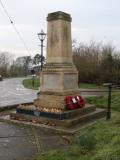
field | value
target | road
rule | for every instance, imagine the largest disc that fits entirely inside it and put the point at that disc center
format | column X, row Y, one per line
column 92, row 92
column 13, row 92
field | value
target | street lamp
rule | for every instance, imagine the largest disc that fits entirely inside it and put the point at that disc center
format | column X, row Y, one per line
column 41, row 37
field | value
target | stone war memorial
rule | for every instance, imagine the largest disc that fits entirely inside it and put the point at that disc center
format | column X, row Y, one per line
column 59, row 104
column 59, row 75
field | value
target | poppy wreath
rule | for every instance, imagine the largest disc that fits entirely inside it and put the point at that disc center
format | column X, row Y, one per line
column 80, row 101
column 73, row 102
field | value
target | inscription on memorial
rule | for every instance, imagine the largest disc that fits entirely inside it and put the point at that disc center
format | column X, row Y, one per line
column 51, row 81
column 70, row 81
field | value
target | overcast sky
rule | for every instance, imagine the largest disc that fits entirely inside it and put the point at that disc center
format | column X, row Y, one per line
column 97, row 20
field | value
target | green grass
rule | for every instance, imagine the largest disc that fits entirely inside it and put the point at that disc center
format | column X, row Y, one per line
column 28, row 83
column 101, row 141
column 101, row 102
column 90, row 86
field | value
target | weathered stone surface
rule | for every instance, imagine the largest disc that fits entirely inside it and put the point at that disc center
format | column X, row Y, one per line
column 60, row 79
column 59, row 48
column 51, row 81
column 59, row 76
column 58, row 71
column 76, row 119
column 50, row 101
column 59, row 15
column 70, row 81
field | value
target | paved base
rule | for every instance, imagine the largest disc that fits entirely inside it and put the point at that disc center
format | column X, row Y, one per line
column 68, row 122
column 18, row 142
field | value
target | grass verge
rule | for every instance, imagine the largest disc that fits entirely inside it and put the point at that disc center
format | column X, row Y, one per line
column 28, row 83
column 90, row 86
column 98, row 142
column 101, row 102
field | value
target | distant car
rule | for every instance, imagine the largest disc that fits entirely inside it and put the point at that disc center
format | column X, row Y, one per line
column 1, row 78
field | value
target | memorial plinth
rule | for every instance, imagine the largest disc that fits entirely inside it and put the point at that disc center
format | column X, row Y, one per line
column 59, row 77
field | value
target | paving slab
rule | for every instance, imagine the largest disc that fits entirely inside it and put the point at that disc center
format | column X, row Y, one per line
column 19, row 142
column 16, row 143
column 52, row 142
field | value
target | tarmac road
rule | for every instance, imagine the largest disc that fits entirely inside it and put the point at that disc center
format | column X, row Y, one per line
column 13, row 92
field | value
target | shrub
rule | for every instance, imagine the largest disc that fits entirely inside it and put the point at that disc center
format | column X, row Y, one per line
column 87, row 142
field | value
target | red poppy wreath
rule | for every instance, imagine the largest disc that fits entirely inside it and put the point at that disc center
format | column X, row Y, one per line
column 73, row 102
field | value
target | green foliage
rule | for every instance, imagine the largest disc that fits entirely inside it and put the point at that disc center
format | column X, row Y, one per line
column 28, row 83
column 90, row 86
column 102, row 101
column 87, row 142
column 116, row 101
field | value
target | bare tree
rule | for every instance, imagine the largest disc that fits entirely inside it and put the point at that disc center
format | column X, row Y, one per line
column 97, row 63
column 5, row 61
column 23, row 64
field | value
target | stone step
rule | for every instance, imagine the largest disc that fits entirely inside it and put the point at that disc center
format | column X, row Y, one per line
column 79, row 112
column 66, row 123
column 64, row 115
column 79, row 119
column 98, row 113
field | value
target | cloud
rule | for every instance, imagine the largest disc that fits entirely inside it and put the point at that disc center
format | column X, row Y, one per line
column 90, row 20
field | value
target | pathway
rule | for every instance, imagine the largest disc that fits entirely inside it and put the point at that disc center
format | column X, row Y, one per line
column 18, row 142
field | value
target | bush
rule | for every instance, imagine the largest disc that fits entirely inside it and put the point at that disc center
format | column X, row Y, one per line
column 87, row 142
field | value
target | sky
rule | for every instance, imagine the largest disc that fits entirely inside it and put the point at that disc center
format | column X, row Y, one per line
column 92, row 20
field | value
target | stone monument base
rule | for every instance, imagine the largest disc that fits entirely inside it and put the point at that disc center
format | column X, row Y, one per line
column 59, row 78
column 51, row 101
column 58, row 81
column 69, row 121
